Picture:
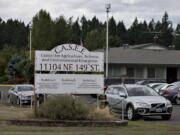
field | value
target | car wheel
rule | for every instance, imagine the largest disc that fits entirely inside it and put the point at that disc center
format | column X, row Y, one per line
column 166, row 117
column 131, row 115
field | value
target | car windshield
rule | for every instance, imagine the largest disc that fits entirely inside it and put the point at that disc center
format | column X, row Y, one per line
column 25, row 88
column 141, row 91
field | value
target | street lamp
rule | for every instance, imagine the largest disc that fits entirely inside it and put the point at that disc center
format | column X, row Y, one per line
column 30, row 40
column 108, row 6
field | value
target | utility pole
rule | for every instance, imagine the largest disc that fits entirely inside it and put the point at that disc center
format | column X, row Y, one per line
column 108, row 6
column 30, row 40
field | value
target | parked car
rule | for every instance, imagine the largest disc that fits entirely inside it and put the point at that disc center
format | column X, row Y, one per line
column 163, row 88
column 154, row 85
column 178, row 98
column 176, row 83
column 138, row 100
column 20, row 94
column 146, row 82
column 172, row 94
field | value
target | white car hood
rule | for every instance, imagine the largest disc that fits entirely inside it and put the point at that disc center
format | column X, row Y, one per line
column 148, row 99
column 26, row 93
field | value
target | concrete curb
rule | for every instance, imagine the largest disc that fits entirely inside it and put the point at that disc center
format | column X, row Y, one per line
column 64, row 123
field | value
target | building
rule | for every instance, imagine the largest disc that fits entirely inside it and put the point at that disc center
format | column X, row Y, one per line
column 144, row 63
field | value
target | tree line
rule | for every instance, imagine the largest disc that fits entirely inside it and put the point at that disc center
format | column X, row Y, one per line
column 91, row 33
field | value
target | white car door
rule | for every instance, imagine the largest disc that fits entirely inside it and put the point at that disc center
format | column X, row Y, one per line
column 113, row 97
column 109, row 95
column 117, row 100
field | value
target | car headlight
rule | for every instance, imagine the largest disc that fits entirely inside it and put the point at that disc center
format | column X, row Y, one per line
column 140, row 104
column 168, row 103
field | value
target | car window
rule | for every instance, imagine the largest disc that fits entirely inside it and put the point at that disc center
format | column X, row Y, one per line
column 25, row 88
column 116, row 90
column 141, row 91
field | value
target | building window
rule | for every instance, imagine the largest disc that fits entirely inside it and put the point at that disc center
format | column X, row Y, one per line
column 139, row 72
column 114, row 71
column 160, row 73
column 130, row 72
column 151, row 73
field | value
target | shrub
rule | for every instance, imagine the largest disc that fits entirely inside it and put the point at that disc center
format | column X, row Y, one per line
column 101, row 114
column 64, row 107
column 4, row 79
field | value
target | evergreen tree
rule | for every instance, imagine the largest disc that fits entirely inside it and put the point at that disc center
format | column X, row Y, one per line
column 158, row 26
column 76, row 32
column 42, row 31
column 166, row 36
column 84, row 27
column 176, row 41
column 122, row 32
column 112, row 27
column 95, row 39
column 151, row 25
column 134, row 33
column 61, row 31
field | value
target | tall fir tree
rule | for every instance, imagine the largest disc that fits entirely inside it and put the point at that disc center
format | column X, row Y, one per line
column 61, row 31
column 166, row 36
column 42, row 31
column 122, row 32
column 176, row 40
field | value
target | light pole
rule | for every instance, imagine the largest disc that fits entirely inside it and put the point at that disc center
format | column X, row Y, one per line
column 108, row 6
column 30, row 40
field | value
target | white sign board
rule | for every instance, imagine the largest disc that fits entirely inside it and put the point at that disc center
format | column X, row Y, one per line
column 69, row 83
column 69, row 57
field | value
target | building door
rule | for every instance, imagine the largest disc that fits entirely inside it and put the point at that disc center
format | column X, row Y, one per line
column 171, row 75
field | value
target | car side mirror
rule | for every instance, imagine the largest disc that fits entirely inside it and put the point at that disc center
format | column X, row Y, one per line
column 122, row 94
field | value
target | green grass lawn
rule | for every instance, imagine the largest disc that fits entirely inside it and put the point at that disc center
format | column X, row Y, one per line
column 134, row 128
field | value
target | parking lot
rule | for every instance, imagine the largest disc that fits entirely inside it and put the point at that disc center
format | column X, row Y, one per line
column 93, row 101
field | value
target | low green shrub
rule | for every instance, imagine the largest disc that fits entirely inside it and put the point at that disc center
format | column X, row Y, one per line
column 64, row 107
column 3, row 79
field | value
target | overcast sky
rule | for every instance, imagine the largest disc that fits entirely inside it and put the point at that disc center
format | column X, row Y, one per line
column 125, row 10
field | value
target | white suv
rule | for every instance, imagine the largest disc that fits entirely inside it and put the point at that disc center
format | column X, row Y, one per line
column 138, row 100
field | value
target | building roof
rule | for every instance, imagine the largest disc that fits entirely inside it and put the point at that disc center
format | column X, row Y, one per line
column 152, row 46
column 140, row 56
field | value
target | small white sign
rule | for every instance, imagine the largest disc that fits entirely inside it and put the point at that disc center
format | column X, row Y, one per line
column 69, row 83
column 69, row 57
